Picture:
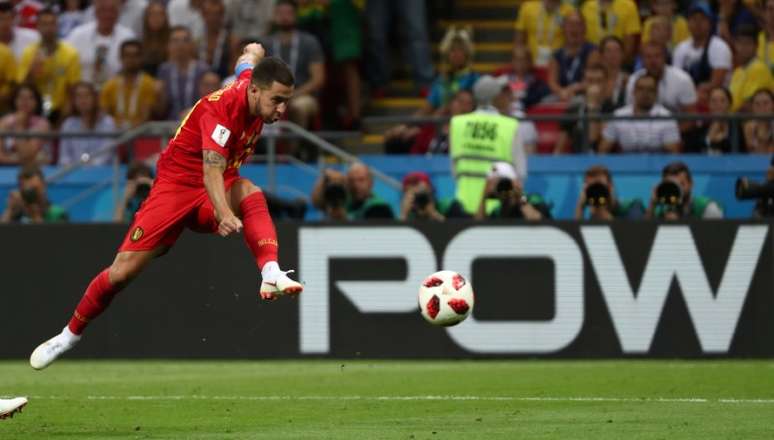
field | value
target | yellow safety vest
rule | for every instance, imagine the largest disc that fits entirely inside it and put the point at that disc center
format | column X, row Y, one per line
column 476, row 141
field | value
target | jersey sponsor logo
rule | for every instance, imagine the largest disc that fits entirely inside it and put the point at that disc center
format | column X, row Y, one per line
column 220, row 135
column 137, row 234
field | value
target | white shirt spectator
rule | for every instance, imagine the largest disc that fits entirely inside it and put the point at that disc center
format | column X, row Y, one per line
column 71, row 149
column 675, row 89
column 99, row 54
column 131, row 14
column 718, row 54
column 642, row 136
column 22, row 37
column 181, row 13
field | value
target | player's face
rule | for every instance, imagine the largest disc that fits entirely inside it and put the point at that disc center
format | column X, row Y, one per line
column 270, row 104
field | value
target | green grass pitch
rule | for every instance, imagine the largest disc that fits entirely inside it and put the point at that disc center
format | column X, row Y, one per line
column 325, row 399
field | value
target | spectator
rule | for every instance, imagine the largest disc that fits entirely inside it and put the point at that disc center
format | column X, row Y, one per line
column 187, row 14
column 72, row 13
column 130, row 15
column 428, row 138
column 419, row 201
column 249, row 20
column 347, row 44
column 330, row 195
column 139, row 180
column 661, row 34
column 98, row 43
column 675, row 88
column 766, row 37
column 86, row 117
column 619, row 18
column 132, row 97
column 705, row 57
column 672, row 198
column 51, row 66
column 29, row 203
column 215, row 47
column 612, row 54
column 598, row 195
column 181, row 74
column 208, row 83
column 483, row 137
column 25, row 117
column 27, row 12
column 759, row 133
column 733, row 14
column 504, row 186
column 751, row 73
column 8, row 77
column 304, row 55
column 596, row 100
column 456, row 71
column 642, row 135
column 16, row 38
column 528, row 89
column 539, row 28
column 565, row 70
column 716, row 137
column 410, row 15
column 665, row 10
column 155, row 36
column 363, row 204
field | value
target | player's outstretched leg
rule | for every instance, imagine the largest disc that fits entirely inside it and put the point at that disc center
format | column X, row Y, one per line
column 9, row 407
column 97, row 298
column 261, row 238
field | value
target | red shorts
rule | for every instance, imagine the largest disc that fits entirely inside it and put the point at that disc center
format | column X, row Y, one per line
column 169, row 208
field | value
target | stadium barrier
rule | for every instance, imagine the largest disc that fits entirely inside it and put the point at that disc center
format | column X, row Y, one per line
column 556, row 290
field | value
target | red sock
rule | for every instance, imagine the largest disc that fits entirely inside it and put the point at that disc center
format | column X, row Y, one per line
column 98, row 296
column 259, row 232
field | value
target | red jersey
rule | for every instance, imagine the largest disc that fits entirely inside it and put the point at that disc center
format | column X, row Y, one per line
column 218, row 122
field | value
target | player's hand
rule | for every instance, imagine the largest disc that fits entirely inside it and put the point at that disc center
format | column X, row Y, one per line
column 229, row 224
column 254, row 51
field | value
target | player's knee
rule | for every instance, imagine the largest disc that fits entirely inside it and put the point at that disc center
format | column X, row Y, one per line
column 243, row 188
column 124, row 270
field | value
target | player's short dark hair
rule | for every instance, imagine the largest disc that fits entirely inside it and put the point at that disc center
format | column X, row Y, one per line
column 29, row 171
column 130, row 43
column 675, row 168
column 271, row 69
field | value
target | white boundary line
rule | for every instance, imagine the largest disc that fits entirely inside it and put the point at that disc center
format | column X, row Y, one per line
column 420, row 398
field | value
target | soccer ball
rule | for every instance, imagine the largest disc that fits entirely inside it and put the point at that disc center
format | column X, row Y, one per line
column 446, row 298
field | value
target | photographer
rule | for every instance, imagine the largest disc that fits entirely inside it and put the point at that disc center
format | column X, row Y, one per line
column 330, row 195
column 762, row 192
column 505, row 188
column 139, row 180
column 30, row 204
column 672, row 199
column 419, row 201
column 598, row 195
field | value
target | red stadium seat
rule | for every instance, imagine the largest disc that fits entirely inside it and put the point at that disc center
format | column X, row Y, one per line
column 548, row 131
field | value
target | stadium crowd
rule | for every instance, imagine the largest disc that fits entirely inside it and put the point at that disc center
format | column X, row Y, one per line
column 76, row 66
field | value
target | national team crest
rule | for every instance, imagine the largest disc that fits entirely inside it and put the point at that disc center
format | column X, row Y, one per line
column 137, row 234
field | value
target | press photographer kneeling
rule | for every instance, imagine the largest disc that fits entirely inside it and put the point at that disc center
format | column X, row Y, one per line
column 505, row 190
column 762, row 192
column 598, row 195
column 672, row 199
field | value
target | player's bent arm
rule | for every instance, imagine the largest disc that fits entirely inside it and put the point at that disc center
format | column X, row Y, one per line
column 214, row 167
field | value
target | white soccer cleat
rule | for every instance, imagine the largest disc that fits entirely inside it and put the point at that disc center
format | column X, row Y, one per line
column 282, row 284
column 49, row 351
column 9, row 407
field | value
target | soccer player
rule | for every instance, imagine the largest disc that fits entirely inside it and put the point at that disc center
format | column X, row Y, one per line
column 198, row 186
column 9, row 407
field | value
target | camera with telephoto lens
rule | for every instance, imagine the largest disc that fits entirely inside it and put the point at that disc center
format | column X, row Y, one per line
column 598, row 195
column 29, row 195
column 763, row 192
column 421, row 199
column 334, row 195
column 669, row 195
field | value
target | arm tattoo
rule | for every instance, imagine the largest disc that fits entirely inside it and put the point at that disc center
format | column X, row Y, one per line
column 214, row 160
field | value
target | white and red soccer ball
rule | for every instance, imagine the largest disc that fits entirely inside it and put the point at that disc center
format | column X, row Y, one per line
column 446, row 298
